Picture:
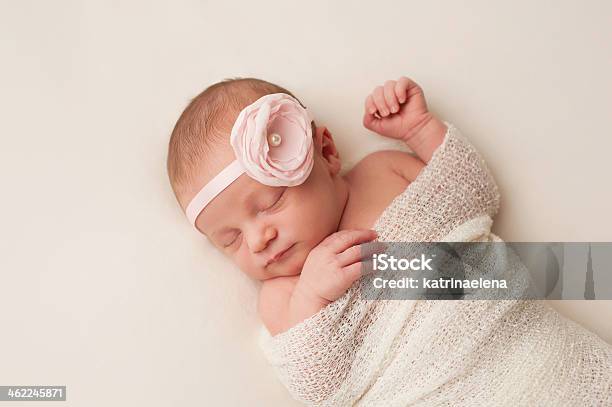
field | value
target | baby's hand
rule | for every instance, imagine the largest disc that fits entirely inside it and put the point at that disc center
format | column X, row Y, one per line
column 397, row 110
column 329, row 270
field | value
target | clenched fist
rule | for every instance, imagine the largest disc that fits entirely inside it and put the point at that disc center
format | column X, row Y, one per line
column 397, row 110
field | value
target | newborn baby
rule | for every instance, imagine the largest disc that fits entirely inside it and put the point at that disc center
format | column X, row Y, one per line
column 257, row 176
column 301, row 239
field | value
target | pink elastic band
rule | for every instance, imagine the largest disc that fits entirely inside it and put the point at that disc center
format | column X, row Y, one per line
column 228, row 175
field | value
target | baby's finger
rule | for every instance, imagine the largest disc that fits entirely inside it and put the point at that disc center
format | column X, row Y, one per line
column 401, row 89
column 372, row 122
column 389, row 91
column 370, row 107
column 410, row 87
column 340, row 241
column 379, row 101
column 349, row 256
column 352, row 272
column 355, row 271
column 360, row 252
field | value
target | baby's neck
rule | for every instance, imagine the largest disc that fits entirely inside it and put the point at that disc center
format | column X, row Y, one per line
column 353, row 214
column 344, row 219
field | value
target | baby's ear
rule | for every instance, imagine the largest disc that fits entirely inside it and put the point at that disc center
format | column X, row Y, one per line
column 325, row 145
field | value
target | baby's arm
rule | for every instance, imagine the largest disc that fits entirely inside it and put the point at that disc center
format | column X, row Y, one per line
column 273, row 302
column 399, row 110
column 456, row 184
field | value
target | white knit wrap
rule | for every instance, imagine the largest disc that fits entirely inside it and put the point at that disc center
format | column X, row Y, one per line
column 435, row 352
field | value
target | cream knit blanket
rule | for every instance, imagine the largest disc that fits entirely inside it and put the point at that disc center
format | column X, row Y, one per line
column 435, row 352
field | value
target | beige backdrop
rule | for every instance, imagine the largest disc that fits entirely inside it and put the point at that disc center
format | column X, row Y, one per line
column 103, row 285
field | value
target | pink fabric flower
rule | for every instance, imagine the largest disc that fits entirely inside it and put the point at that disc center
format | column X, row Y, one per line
column 290, row 162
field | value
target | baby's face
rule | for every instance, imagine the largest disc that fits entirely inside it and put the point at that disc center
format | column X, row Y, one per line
column 253, row 223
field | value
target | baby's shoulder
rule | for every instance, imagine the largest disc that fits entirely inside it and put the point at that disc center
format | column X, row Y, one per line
column 274, row 296
column 375, row 181
column 380, row 164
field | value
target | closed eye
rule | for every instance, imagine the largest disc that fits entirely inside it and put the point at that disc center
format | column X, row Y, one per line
column 278, row 202
column 235, row 238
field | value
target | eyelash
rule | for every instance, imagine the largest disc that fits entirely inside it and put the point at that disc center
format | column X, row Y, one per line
column 232, row 242
column 280, row 198
column 274, row 205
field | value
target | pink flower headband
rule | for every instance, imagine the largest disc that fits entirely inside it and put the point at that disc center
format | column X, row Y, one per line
column 272, row 141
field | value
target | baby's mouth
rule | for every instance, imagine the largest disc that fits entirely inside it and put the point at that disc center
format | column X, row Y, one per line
column 280, row 255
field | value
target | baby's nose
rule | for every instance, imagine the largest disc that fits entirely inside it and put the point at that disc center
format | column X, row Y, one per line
column 262, row 238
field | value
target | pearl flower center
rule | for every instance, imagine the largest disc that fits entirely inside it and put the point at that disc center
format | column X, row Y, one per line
column 274, row 139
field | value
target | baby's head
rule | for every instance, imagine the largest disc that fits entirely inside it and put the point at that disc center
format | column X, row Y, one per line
column 249, row 221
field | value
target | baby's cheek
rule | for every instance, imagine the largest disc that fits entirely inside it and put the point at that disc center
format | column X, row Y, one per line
column 246, row 266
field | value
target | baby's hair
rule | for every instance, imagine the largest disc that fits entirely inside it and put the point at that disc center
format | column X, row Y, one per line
column 206, row 123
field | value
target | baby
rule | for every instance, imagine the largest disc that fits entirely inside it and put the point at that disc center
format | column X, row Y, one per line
column 272, row 198
column 257, row 176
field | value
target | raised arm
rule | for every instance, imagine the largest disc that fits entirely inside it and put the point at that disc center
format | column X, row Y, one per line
column 454, row 186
